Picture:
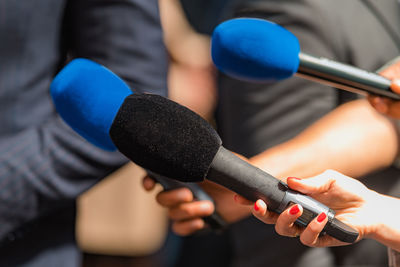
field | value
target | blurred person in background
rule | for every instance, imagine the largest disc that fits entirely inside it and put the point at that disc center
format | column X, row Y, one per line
column 371, row 213
column 187, row 27
column 270, row 124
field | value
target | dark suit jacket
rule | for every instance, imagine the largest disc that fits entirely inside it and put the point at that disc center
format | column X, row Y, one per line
column 44, row 165
column 254, row 117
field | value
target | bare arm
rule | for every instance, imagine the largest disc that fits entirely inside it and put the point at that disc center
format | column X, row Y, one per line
column 353, row 139
column 191, row 76
column 184, row 44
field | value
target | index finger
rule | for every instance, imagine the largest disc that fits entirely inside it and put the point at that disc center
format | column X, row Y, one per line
column 172, row 198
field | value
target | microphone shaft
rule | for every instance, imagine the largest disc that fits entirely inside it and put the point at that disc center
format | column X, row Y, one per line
column 344, row 76
column 241, row 177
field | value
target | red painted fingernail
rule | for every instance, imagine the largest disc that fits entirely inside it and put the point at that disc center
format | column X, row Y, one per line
column 321, row 217
column 294, row 210
column 256, row 207
column 235, row 197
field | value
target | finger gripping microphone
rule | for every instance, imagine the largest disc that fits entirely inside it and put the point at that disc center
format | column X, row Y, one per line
column 171, row 140
column 258, row 50
column 88, row 96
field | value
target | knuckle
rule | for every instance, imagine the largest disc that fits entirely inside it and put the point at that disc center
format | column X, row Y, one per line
column 190, row 211
column 184, row 212
column 314, row 228
column 164, row 197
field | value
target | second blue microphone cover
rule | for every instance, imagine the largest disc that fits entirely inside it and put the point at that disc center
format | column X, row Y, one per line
column 255, row 50
column 79, row 98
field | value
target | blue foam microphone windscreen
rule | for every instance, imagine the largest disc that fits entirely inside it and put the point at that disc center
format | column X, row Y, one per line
column 255, row 50
column 258, row 50
column 88, row 97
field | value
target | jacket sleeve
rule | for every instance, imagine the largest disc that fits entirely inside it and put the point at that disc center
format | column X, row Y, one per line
column 47, row 166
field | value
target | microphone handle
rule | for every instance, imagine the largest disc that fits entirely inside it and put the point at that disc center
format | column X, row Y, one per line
column 344, row 76
column 232, row 172
column 215, row 221
column 252, row 183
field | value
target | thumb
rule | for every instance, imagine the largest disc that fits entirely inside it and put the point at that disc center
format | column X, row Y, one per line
column 317, row 184
column 395, row 86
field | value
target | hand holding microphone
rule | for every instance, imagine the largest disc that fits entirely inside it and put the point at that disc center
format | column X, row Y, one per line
column 259, row 50
column 170, row 140
column 368, row 211
column 386, row 105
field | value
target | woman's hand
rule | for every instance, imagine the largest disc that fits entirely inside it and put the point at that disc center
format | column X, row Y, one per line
column 353, row 203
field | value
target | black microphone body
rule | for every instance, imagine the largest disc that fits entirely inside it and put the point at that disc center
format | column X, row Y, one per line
column 344, row 76
column 241, row 177
column 170, row 140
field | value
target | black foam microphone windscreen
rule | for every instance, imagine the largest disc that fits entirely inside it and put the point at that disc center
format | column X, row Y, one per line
column 165, row 137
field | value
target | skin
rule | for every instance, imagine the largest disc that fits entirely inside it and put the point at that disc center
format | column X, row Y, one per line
column 373, row 215
column 191, row 75
column 384, row 105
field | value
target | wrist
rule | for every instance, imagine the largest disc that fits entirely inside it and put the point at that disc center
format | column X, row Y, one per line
column 386, row 228
column 286, row 160
column 377, row 212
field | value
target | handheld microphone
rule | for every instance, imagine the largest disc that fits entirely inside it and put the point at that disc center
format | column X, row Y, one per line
column 258, row 50
column 171, row 140
column 88, row 97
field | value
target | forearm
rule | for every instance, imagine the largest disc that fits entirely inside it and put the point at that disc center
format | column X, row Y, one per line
column 352, row 139
column 184, row 44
